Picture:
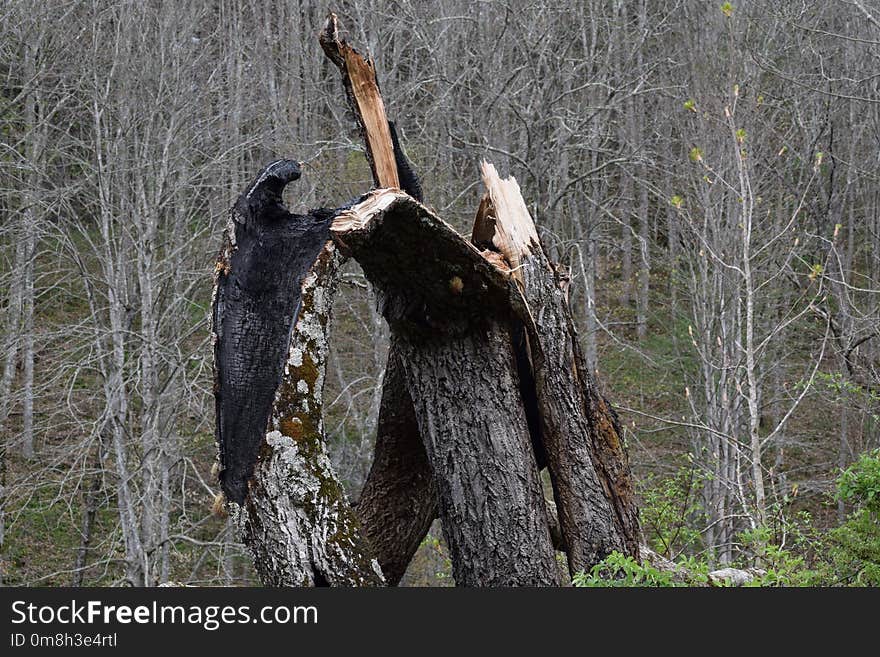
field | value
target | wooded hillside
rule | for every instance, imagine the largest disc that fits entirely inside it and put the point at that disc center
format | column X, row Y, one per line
column 704, row 174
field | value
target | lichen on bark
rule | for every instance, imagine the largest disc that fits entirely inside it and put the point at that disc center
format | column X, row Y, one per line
column 297, row 521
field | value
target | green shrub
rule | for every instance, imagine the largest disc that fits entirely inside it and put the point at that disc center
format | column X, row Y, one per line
column 671, row 511
column 619, row 570
column 854, row 547
column 859, row 484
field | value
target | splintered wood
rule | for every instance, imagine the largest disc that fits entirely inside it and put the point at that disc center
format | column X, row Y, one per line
column 579, row 432
column 359, row 79
column 516, row 235
column 358, row 216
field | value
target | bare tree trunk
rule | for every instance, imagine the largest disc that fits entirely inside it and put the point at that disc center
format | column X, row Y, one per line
column 90, row 510
column 29, row 219
column 592, row 324
column 644, row 263
column 13, row 335
column 27, row 351
column 843, row 454
column 398, row 502
column 13, row 330
column 637, row 114
column 625, row 240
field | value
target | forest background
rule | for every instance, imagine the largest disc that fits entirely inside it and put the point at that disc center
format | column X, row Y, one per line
column 707, row 173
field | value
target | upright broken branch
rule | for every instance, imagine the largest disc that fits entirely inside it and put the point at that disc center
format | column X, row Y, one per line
column 362, row 91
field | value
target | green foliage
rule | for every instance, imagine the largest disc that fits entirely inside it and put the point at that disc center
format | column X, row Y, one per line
column 694, row 570
column 848, row 555
column 727, row 9
column 854, row 553
column 671, row 510
column 854, row 547
column 780, row 566
column 618, row 570
column 840, row 385
column 696, row 154
column 859, row 484
column 792, row 553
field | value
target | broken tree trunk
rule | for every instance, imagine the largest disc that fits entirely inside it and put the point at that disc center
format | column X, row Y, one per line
column 290, row 508
column 296, row 520
column 586, row 459
column 484, row 373
column 451, row 316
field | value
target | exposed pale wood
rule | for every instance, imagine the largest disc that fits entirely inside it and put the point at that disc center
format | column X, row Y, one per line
column 483, row 231
column 358, row 216
column 515, row 236
column 362, row 89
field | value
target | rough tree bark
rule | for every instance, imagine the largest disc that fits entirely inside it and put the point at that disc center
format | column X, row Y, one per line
column 398, row 502
column 452, row 315
column 296, row 520
column 585, row 455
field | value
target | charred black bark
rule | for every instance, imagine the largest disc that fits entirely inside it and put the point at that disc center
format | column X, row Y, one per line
column 268, row 251
column 406, row 175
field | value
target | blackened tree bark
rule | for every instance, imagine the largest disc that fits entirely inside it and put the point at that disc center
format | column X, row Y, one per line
column 296, row 520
